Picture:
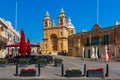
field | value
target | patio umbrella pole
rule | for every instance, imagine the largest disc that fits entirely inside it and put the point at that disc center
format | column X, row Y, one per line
column 62, row 70
column 38, row 69
column 84, row 70
column 17, row 69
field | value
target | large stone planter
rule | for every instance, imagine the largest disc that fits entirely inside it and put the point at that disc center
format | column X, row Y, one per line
column 41, row 65
column 3, row 65
column 57, row 64
column 42, row 62
column 23, row 65
column 73, row 73
column 28, row 73
column 3, row 62
column 95, row 73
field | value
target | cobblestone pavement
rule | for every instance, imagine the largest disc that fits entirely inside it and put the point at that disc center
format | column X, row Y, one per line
column 54, row 73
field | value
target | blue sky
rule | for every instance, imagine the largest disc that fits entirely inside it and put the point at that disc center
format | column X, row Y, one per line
column 82, row 13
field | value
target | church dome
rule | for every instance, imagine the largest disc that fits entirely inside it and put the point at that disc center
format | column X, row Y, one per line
column 69, row 24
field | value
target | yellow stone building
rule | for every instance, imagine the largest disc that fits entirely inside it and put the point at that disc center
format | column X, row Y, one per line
column 98, row 38
column 56, row 37
column 3, row 38
column 8, row 35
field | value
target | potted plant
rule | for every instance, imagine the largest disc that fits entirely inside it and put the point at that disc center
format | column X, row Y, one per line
column 27, row 72
column 42, row 62
column 3, row 62
column 73, row 73
column 23, row 62
column 95, row 72
column 57, row 62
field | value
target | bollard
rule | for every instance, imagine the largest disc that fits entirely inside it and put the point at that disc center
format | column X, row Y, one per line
column 107, row 70
column 17, row 69
column 62, row 70
column 84, row 70
column 38, row 69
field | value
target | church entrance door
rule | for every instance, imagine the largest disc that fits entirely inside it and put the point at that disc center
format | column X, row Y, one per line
column 54, row 42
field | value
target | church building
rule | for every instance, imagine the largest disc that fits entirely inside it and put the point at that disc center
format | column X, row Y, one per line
column 56, row 36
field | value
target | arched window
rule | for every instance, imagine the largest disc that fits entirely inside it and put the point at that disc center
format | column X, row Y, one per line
column 45, row 45
column 61, row 21
column 71, row 31
column 53, row 37
column 46, row 24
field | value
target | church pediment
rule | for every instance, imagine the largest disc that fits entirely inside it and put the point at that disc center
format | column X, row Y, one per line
column 96, row 27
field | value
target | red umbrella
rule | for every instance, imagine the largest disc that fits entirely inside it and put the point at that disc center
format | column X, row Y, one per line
column 18, row 45
column 22, row 44
column 13, row 45
column 32, row 45
column 28, row 47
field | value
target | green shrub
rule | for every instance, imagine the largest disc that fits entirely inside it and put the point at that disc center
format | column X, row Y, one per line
column 3, row 61
column 42, row 61
column 23, row 61
column 58, row 61
column 74, row 70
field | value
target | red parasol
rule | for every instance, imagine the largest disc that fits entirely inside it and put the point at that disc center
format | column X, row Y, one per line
column 13, row 45
column 32, row 45
column 28, row 47
column 22, row 44
column 18, row 45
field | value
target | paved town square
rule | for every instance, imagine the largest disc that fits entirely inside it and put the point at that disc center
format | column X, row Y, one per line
column 59, row 39
column 51, row 72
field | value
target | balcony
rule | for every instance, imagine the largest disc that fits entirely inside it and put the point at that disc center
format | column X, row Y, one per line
column 3, row 40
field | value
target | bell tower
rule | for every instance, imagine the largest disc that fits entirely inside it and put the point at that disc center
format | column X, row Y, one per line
column 47, row 21
column 62, row 19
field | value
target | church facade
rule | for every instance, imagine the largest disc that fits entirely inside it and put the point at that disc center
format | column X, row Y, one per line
column 56, row 36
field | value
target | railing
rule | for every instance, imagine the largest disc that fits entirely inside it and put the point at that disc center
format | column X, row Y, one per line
column 3, row 39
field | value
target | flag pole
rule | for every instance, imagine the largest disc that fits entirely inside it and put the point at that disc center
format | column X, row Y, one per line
column 97, row 11
column 16, row 16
